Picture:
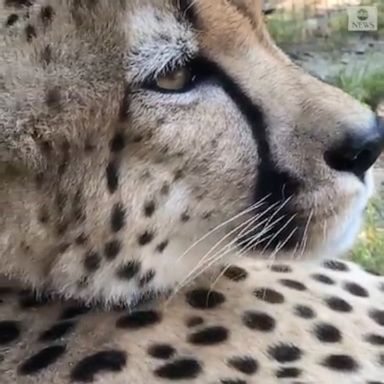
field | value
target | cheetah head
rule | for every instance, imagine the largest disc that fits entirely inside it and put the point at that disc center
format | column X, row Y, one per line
column 143, row 142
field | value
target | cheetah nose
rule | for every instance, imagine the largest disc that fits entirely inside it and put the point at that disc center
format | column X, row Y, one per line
column 358, row 151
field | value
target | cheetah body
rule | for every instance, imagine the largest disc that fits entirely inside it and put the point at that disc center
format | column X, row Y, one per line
column 292, row 323
column 145, row 147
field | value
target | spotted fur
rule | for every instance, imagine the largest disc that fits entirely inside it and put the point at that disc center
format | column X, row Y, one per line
column 115, row 193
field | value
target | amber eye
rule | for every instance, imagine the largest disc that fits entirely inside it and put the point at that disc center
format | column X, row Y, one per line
column 175, row 81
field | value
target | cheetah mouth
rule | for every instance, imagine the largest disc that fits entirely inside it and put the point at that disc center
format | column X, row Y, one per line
column 287, row 231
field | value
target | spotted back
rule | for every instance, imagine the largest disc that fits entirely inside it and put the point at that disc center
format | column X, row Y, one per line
column 284, row 323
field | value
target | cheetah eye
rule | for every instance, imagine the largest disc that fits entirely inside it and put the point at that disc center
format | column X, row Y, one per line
column 178, row 80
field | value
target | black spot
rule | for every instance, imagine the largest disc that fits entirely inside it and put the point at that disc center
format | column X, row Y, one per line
column 377, row 316
column 323, row 278
column 60, row 201
column 81, row 239
column 293, row 284
column 112, row 249
column 53, row 98
column 259, row 321
column 146, row 278
column 160, row 248
column 281, row 268
column 124, row 106
column 57, row 331
column 47, row 14
column 117, row 143
column 129, row 270
column 327, row 333
column 9, row 331
column 185, row 217
column 180, row 369
column 304, row 311
column 139, row 319
column 6, row 291
column 149, row 208
column 11, row 19
column 336, row 265
column 285, row 353
column 112, row 173
column 209, row 336
column 235, row 273
column 338, row 304
column 30, row 32
column 375, row 339
column 194, row 321
column 269, row 295
column 244, row 364
column 145, row 238
column 161, row 351
column 74, row 311
column 41, row 360
column 356, row 289
column 179, row 174
column 204, row 299
column 30, row 299
column 18, row 3
column 117, row 217
column 232, row 381
column 43, row 216
column 165, row 189
column 92, row 261
column 105, row 361
column 288, row 372
column 341, row 363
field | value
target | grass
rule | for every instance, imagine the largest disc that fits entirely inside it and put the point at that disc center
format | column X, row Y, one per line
column 363, row 83
column 369, row 251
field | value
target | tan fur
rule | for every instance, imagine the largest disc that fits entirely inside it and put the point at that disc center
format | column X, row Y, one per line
column 111, row 192
column 96, row 331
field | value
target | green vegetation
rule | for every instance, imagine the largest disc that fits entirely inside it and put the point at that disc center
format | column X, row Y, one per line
column 363, row 83
column 369, row 252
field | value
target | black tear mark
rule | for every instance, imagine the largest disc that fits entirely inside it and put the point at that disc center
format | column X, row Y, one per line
column 105, row 361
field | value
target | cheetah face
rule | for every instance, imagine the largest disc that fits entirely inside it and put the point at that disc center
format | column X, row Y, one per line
column 145, row 142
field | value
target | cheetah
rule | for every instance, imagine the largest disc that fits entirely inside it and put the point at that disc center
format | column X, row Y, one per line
column 168, row 180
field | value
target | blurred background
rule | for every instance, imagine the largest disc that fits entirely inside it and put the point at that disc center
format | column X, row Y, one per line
column 315, row 34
